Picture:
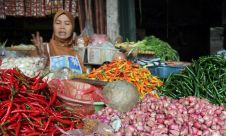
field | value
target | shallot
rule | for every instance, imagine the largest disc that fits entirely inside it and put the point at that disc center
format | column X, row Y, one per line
column 165, row 116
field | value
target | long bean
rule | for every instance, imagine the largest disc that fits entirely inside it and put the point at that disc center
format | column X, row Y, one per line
column 205, row 77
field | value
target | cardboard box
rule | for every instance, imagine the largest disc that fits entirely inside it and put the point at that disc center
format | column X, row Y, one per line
column 98, row 55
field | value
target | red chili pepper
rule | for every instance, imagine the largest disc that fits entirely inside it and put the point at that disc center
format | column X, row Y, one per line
column 29, row 120
column 35, row 134
column 53, row 98
column 54, row 132
column 72, row 126
column 34, row 104
column 7, row 112
column 35, row 77
column 13, row 118
column 48, row 122
column 11, row 126
column 38, row 96
column 18, row 126
column 68, row 122
column 23, row 88
column 26, row 111
column 43, row 102
column 2, row 112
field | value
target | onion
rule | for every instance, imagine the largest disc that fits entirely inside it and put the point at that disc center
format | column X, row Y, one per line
column 131, row 116
column 160, row 121
column 174, row 132
column 191, row 110
column 151, row 117
column 221, row 122
column 147, row 128
column 118, row 133
column 206, row 133
column 99, row 113
column 194, row 131
column 140, row 128
column 197, row 125
column 208, row 123
column 191, row 99
column 161, row 126
column 184, row 130
column 153, row 114
column 168, row 122
column 174, row 127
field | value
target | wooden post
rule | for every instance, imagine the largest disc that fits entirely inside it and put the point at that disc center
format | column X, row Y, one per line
column 112, row 19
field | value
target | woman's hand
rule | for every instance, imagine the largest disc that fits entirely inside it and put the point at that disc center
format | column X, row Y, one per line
column 37, row 40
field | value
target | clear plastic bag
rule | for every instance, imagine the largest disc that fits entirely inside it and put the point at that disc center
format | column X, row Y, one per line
column 88, row 30
column 92, row 128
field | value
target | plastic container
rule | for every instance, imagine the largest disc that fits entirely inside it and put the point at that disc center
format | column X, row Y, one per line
column 76, row 96
column 82, row 52
column 98, row 106
column 164, row 71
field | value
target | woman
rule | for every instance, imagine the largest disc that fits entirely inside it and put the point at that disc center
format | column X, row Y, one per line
column 62, row 41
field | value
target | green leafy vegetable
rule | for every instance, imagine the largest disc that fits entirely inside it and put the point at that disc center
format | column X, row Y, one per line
column 161, row 49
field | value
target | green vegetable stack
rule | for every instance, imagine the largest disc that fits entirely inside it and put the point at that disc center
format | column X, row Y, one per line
column 205, row 78
column 161, row 49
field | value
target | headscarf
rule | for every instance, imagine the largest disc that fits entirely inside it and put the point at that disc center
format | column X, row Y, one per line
column 64, row 47
column 59, row 46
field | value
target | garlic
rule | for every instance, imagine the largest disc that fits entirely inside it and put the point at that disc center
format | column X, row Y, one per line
column 28, row 65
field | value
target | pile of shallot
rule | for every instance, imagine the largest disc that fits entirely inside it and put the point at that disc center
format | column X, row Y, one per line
column 188, row 116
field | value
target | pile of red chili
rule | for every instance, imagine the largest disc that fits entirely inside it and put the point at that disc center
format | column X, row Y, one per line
column 29, row 107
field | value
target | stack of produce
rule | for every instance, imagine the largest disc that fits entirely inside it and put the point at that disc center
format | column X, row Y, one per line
column 30, row 66
column 152, row 45
column 188, row 116
column 126, row 70
column 205, row 78
column 29, row 106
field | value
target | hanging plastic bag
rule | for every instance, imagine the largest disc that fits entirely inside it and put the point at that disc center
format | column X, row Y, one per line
column 88, row 30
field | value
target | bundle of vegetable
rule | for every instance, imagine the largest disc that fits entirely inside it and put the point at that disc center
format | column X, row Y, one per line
column 188, row 116
column 204, row 78
column 28, row 106
column 161, row 49
column 126, row 70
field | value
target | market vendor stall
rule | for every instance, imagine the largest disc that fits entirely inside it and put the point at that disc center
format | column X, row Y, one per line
column 123, row 95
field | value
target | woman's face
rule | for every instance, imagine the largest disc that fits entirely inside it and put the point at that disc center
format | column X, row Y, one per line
column 62, row 27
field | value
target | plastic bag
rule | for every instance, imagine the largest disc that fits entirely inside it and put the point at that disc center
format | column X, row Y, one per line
column 64, row 73
column 99, row 39
column 88, row 30
column 77, row 96
column 92, row 127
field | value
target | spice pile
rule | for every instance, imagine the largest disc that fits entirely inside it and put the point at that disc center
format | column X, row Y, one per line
column 29, row 106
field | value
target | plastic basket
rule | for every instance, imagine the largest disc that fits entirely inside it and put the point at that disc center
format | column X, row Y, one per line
column 164, row 71
column 71, row 94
